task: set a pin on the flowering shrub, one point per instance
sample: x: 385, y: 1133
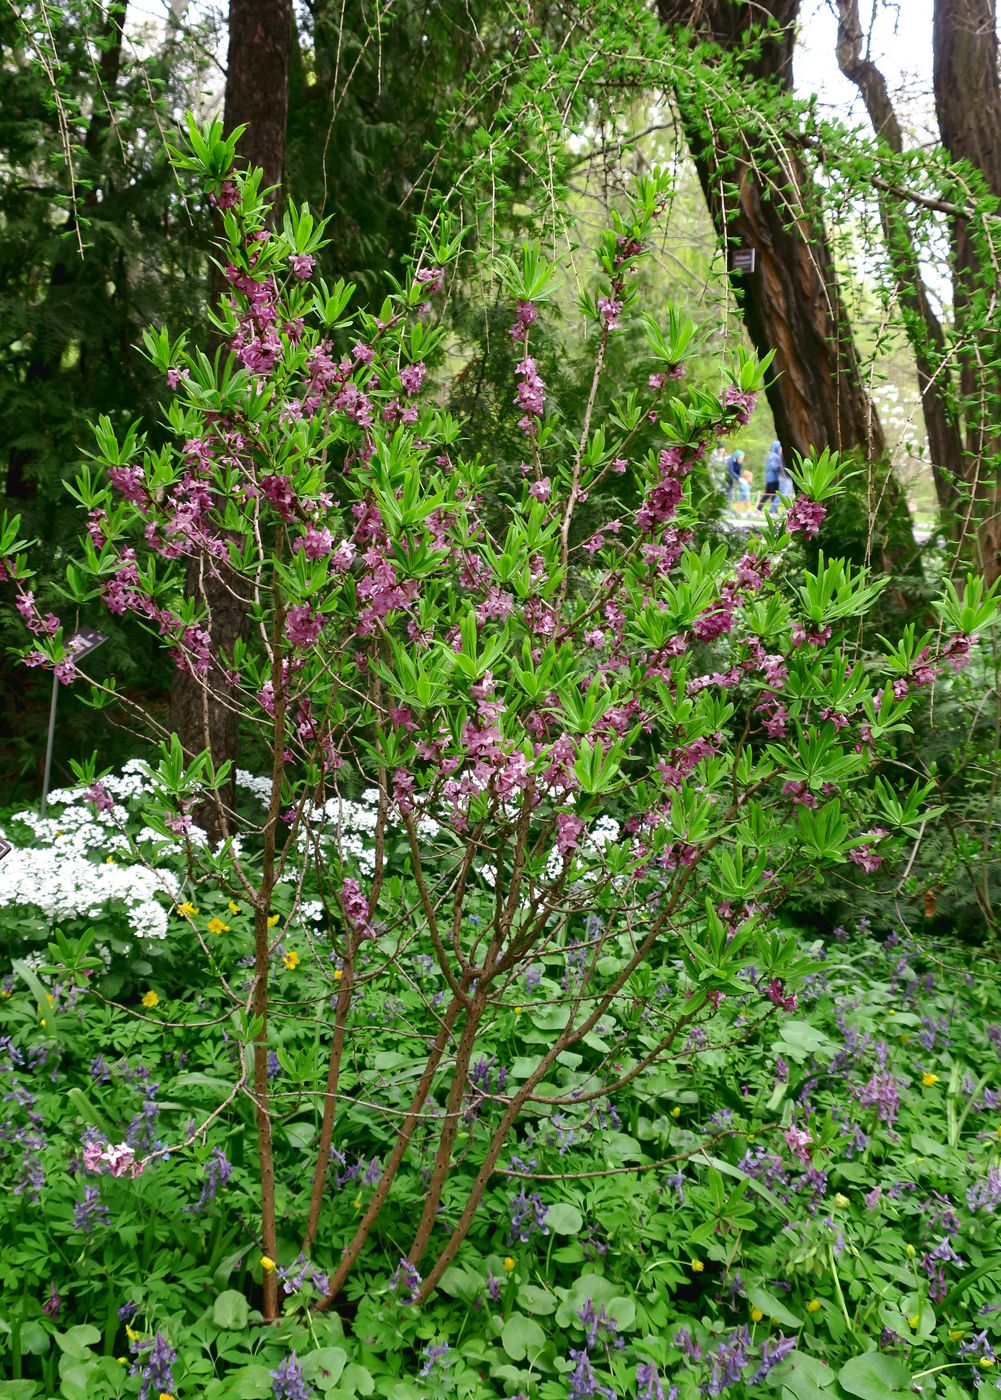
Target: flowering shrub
x: 599, y: 764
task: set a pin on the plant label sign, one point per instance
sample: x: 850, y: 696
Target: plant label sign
x: 85, y: 641
x: 743, y: 259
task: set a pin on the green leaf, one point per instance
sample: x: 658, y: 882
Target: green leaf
x: 540, y: 1301
x: 248, y: 1383
x: 323, y: 1367
x: 521, y: 1337
x: 357, y: 1380
x: 564, y: 1219
x: 802, y: 1377
x: 773, y: 1307
x: 876, y: 1377
x: 230, y: 1311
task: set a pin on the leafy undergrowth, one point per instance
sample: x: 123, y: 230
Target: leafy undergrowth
x: 812, y: 1212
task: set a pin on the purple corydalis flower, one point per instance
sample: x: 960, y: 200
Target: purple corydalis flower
x: 288, y: 1383
x: 218, y: 1170
x: 648, y: 1386
x: 986, y: 1195
x: 410, y: 1278
x: 583, y: 1383
x: 528, y: 1214
x: 90, y: 1211
x: 431, y: 1355
x: 772, y: 1352
x: 156, y: 1368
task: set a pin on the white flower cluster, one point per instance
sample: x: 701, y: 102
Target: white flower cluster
x: 339, y: 821
x: 67, y: 872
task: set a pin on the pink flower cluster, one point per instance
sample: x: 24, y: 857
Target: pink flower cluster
x: 120, y: 1160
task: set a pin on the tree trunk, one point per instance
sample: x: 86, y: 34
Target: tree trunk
x: 203, y: 709
x: 791, y: 303
x: 968, y: 107
x: 945, y: 439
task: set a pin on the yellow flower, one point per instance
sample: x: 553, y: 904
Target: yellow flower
x: 150, y: 1000
x: 929, y: 1079
x: 109, y: 860
x: 891, y: 1012
x: 291, y: 960
x: 268, y: 1265
x: 813, y: 1305
x: 187, y: 910
x: 842, y: 1202
x: 50, y: 999
x: 957, y: 1335
x: 519, y: 1009
x: 234, y: 908
x: 338, y: 974
x: 217, y: 926
x: 676, y: 1111
x: 756, y: 1314
x: 42, y: 1023
x: 697, y: 1265
x: 165, y: 1396
x: 273, y: 919
x: 986, y: 1361
x: 122, y: 1360
x: 7, y: 991
x: 508, y: 1263
x: 131, y: 1333
x: 914, y: 1320
x: 357, y: 1203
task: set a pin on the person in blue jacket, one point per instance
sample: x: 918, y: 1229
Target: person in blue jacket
x: 734, y: 471
x: 773, y: 470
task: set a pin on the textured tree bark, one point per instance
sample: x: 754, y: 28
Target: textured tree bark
x: 203, y: 709
x: 792, y: 303
x: 945, y: 439
x: 968, y: 107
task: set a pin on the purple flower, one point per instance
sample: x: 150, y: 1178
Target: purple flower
x: 805, y: 516
x: 218, y: 1170
x: 611, y: 309
x: 528, y: 1214
x: 648, y: 1386
x: 155, y: 1367
x: 531, y: 396
x: 302, y: 264
x: 881, y: 1093
x: 772, y: 1352
x: 413, y: 377
x: 986, y: 1194
x: 287, y: 1382
x: 53, y: 1303
x: 583, y: 1382
x: 431, y: 1355
x: 302, y: 625
x: 728, y: 1362
x: 90, y: 1211
x: 410, y: 1278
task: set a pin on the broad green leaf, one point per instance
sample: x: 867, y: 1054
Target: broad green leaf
x: 522, y: 1337
x: 230, y: 1311
x: 564, y: 1219
x: 876, y: 1377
